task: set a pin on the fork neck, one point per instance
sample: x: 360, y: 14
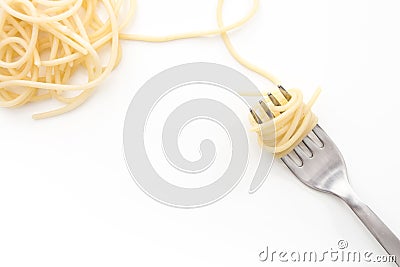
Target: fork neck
x: 342, y: 189
x: 345, y: 192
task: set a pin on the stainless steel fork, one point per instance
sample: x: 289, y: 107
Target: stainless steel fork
x: 318, y: 163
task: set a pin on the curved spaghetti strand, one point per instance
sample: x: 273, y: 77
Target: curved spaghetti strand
x: 293, y: 119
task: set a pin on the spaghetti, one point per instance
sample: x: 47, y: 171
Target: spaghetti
x: 45, y: 43
x: 291, y: 121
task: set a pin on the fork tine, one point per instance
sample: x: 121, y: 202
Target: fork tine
x: 321, y: 134
x: 305, y: 150
x: 255, y: 116
x: 273, y: 99
x: 284, y: 93
x: 311, y: 144
x: 290, y: 163
x: 296, y: 158
x: 266, y: 109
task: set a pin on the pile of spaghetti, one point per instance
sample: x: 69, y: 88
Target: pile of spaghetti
x: 44, y: 43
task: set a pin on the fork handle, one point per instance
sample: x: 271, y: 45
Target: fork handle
x: 389, y: 241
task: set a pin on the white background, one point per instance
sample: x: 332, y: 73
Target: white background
x: 66, y: 196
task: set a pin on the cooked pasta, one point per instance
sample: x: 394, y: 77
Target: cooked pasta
x: 45, y: 43
x: 291, y: 121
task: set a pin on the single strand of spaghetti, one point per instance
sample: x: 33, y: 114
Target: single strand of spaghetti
x: 36, y: 57
x: 61, y: 3
x: 53, y: 53
x: 173, y: 37
x: 67, y: 51
x: 119, y: 56
x: 130, y: 14
x: 3, y: 16
x: 61, y: 60
x: 66, y: 75
x: 9, y: 56
x: 42, y: 97
x: 89, y: 9
x: 48, y: 12
x: 234, y: 53
x: 57, y: 75
x: 314, y: 97
x: 81, y: 28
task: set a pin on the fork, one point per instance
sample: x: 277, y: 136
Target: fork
x: 318, y: 163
